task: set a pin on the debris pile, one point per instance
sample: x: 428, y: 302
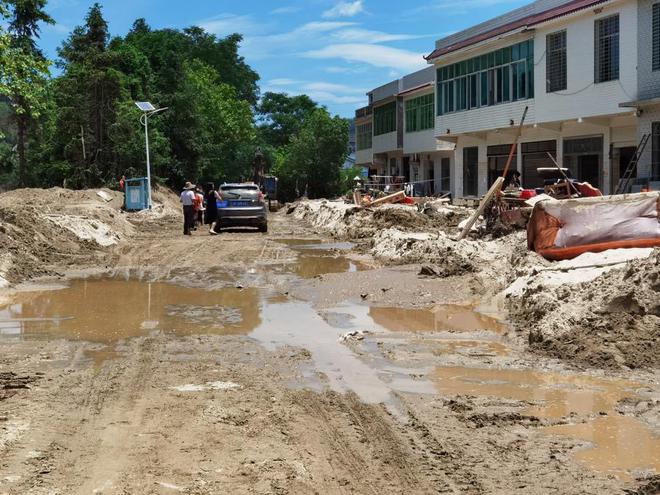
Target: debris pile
x: 352, y: 222
x: 611, y: 321
x: 40, y: 228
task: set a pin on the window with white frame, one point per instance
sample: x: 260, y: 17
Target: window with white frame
x: 555, y: 45
x: 606, y: 56
x: 656, y: 36
x: 500, y: 76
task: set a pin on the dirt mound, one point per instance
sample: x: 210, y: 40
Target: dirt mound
x: 348, y: 221
x: 450, y: 257
x: 609, y: 322
x: 41, y: 228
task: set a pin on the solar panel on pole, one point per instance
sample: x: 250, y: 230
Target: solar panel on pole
x: 145, y: 106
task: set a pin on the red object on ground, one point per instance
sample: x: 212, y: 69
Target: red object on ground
x: 408, y: 200
x: 527, y: 193
x: 568, y: 253
x: 564, y: 229
x: 587, y: 190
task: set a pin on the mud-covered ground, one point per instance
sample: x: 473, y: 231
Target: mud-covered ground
x: 301, y: 368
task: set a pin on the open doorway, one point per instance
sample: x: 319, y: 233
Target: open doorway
x: 588, y: 169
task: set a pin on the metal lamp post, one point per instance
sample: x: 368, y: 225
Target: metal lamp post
x: 147, y: 111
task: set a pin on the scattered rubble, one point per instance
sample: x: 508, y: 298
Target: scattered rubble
x: 611, y: 321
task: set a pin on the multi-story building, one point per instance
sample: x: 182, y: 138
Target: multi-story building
x: 395, y: 133
x: 647, y: 105
x: 571, y: 63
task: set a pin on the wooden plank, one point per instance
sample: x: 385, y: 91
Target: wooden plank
x: 494, y: 189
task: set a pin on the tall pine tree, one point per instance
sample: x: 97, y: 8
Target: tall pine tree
x: 30, y: 78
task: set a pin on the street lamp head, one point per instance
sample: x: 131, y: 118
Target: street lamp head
x: 145, y: 106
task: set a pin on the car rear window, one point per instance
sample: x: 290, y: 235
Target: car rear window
x: 239, y: 188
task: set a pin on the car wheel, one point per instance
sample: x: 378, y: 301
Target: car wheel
x: 263, y: 228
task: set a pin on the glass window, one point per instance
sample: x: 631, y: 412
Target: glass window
x: 364, y: 139
x: 506, y: 84
x: 474, y: 91
x: 419, y: 113
x: 484, y: 89
x: 500, y: 76
x: 555, y: 62
x: 656, y: 36
x: 385, y: 119
x: 606, y: 57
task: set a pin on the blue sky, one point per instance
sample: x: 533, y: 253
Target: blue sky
x: 332, y: 50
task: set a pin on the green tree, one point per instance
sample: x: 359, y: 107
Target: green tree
x: 281, y: 117
x: 207, y: 122
x: 312, y: 161
x: 25, y: 71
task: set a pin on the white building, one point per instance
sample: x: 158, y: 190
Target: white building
x: 396, y: 133
x: 572, y: 63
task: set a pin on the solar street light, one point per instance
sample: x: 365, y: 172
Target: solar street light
x: 147, y: 111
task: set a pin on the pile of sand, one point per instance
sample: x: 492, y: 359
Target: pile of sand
x: 610, y: 321
x: 40, y: 228
x: 347, y: 221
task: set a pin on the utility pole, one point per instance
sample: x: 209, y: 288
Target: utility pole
x: 147, y: 111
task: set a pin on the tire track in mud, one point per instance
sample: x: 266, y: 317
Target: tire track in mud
x: 363, y: 443
x: 87, y: 430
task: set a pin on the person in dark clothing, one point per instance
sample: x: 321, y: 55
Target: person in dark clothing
x: 187, y: 200
x: 211, y: 197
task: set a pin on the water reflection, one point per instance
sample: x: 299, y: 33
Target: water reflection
x: 620, y: 443
x: 106, y: 311
x: 446, y: 317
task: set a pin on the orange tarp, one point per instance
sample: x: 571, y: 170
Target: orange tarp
x: 564, y: 229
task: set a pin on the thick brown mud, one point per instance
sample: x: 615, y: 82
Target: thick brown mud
x: 245, y: 363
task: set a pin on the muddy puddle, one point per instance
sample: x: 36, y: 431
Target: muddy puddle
x: 579, y: 407
x: 107, y: 311
x: 314, y: 258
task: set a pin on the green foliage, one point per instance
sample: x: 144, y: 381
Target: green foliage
x: 83, y: 129
x: 312, y: 162
x: 281, y: 117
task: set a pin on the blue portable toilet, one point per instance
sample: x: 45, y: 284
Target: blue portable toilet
x: 136, y: 194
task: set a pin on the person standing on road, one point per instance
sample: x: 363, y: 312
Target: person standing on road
x: 188, y: 200
x: 199, y: 208
x: 212, y: 197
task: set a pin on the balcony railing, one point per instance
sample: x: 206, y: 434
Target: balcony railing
x: 364, y: 112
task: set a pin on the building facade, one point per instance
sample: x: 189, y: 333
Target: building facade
x: 587, y: 71
x: 396, y: 134
x: 571, y: 63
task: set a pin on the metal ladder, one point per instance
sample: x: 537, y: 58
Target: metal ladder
x: 624, y: 182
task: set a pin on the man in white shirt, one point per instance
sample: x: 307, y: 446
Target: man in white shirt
x: 187, y: 200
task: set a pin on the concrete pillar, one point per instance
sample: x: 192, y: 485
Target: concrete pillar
x: 483, y: 168
x: 607, y: 161
x: 457, y: 171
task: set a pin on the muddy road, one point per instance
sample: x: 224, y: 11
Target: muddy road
x: 290, y: 363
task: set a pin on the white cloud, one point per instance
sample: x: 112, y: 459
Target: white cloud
x: 454, y: 7
x: 376, y: 55
x: 332, y: 87
x: 345, y: 9
x: 291, y: 9
x: 57, y: 28
x: 321, y: 91
x: 224, y: 24
x: 283, y: 81
x: 358, y: 35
